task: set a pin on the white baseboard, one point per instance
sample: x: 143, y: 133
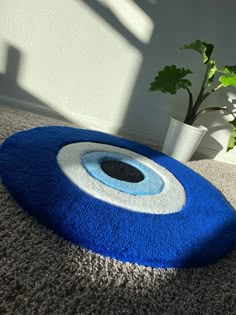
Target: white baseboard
x: 81, y: 120
x: 29, y: 107
x: 105, y: 126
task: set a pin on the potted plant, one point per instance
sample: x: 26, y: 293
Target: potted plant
x: 182, y: 138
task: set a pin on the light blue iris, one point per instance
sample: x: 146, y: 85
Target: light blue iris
x: 152, y: 183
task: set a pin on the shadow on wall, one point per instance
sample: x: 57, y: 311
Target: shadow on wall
x: 10, y: 90
x: 140, y: 116
x: 12, y: 94
x: 144, y: 113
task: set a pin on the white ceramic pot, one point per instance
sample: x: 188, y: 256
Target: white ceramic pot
x: 182, y: 140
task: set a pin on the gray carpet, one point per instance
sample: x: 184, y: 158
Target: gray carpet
x: 40, y: 273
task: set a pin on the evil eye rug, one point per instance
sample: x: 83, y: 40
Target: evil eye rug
x: 117, y: 198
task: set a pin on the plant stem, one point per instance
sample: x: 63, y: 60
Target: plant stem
x: 204, y: 96
x: 199, y: 98
x: 217, y: 88
x: 190, y: 106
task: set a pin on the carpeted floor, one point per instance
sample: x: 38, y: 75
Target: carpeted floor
x: 40, y: 273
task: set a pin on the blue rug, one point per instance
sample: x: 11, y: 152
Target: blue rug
x: 117, y: 197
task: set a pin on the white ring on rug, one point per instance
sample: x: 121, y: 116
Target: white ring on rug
x: 170, y: 200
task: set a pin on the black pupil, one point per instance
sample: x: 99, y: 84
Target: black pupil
x: 122, y: 171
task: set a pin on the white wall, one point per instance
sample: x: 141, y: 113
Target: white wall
x: 92, y: 61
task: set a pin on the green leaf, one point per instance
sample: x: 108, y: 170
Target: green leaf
x: 232, y: 141
x: 232, y: 138
x: 229, y: 70
x: 212, y: 70
x: 170, y: 79
x: 228, y: 80
x: 229, y: 76
x: 203, y: 48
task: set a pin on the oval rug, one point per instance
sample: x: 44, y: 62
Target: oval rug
x: 117, y: 198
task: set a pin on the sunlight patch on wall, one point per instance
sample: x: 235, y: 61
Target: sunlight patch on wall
x: 232, y: 98
x: 132, y: 17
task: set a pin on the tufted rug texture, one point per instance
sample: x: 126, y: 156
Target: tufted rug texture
x: 41, y: 273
